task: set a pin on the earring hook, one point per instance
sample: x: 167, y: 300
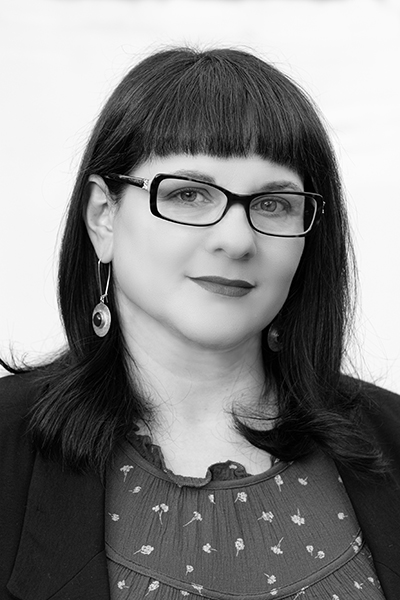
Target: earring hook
x: 103, y: 296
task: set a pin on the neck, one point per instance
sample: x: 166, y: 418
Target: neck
x: 193, y: 382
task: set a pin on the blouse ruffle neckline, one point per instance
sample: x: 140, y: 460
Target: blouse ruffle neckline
x: 228, y: 470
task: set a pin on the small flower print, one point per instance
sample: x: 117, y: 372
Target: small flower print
x: 207, y: 548
x: 270, y: 578
x: 356, y: 544
x: 335, y: 597
x: 358, y: 586
x: 371, y: 580
x: 211, y: 498
x: 197, y: 587
x: 122, y: 585
x: 277, y: 549
x: 196, y: 517
x: 320, y: 554
x: 242, y: 497
x: 153, y: 586
x: 232, y: 466
x: 184, y: 593
x: 274, y: 592
x: 145, y: 550
x: 342, y: 516
x: 279, y: 481
x: 239, y: 545
x: 297, y: 518
x: 303, y: 480
x: 189, y: 569
x: 266, y: 516
x: 114, y: 516
x: 135, y: 490
x: 160, y: 509
x: 302, y: 592
x: 125, y: 469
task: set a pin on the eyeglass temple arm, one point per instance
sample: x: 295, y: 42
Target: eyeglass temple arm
x: 136, y: 181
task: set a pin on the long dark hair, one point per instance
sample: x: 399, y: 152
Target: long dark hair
x: 220, y: 102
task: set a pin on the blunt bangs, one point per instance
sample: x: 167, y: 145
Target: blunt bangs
x: 220, y: 102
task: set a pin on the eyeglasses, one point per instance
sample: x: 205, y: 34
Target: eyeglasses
x: 192, y: 202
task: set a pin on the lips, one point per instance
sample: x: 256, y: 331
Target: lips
x: 223, y: 286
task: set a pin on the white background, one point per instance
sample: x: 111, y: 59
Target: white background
x: 61, y: 58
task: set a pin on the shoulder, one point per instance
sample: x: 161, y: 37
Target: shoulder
x: 379, y: 412
x: 17, y: 395
x: 370, y: 396
x: 381, y: 409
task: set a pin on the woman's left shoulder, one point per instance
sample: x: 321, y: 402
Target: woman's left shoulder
x: 379, y: 412
x: 381, y: 408
x: 371, y: 396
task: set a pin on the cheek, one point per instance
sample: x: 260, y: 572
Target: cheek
x: 280, y: 264
x: 148, y: 254
x: 283, y: 258
x: 294, y: 256
x: 135, y: 261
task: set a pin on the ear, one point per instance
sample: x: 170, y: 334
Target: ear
x: 99, y: 218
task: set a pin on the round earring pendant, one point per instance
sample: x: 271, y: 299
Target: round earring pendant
x: 273, y: 340
x: 101, y: 319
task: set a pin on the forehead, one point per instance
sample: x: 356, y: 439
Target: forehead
x: 241, y: 174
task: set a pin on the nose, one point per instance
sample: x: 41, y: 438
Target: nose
x: 233, y: 235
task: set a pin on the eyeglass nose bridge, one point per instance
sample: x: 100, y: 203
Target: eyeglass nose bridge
x: 242, y: 199
x: 231, y: 197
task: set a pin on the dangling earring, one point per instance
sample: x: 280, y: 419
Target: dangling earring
x: 274, y: 343
x: 101, y: 316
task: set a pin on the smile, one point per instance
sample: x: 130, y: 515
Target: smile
x: 225, y: 287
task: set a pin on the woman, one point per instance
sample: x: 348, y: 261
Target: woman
x: 197, y: 438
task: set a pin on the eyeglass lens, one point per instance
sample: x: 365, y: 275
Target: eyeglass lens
x: 196, y: 203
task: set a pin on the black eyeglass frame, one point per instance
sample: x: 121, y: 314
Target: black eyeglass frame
x: 232, y: 198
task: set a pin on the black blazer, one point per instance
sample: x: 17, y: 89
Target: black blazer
x: 52, y: 520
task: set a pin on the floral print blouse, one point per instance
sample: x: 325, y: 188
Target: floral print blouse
x: 287, y: 533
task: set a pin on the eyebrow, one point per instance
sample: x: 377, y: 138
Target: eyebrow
x: 269, y: 186
x: 195, y: 175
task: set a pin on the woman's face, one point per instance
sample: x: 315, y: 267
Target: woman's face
x: 161, y: 269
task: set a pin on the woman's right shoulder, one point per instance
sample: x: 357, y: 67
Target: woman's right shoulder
x: 17, y: 453
x: 17, y: 395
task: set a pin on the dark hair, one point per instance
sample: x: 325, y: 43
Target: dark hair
x: 220, y: 102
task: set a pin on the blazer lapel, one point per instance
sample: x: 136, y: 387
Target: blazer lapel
x: 61, y: 553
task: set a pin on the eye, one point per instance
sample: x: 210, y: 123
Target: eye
x: 270, y: 205
x: 189, y: 195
